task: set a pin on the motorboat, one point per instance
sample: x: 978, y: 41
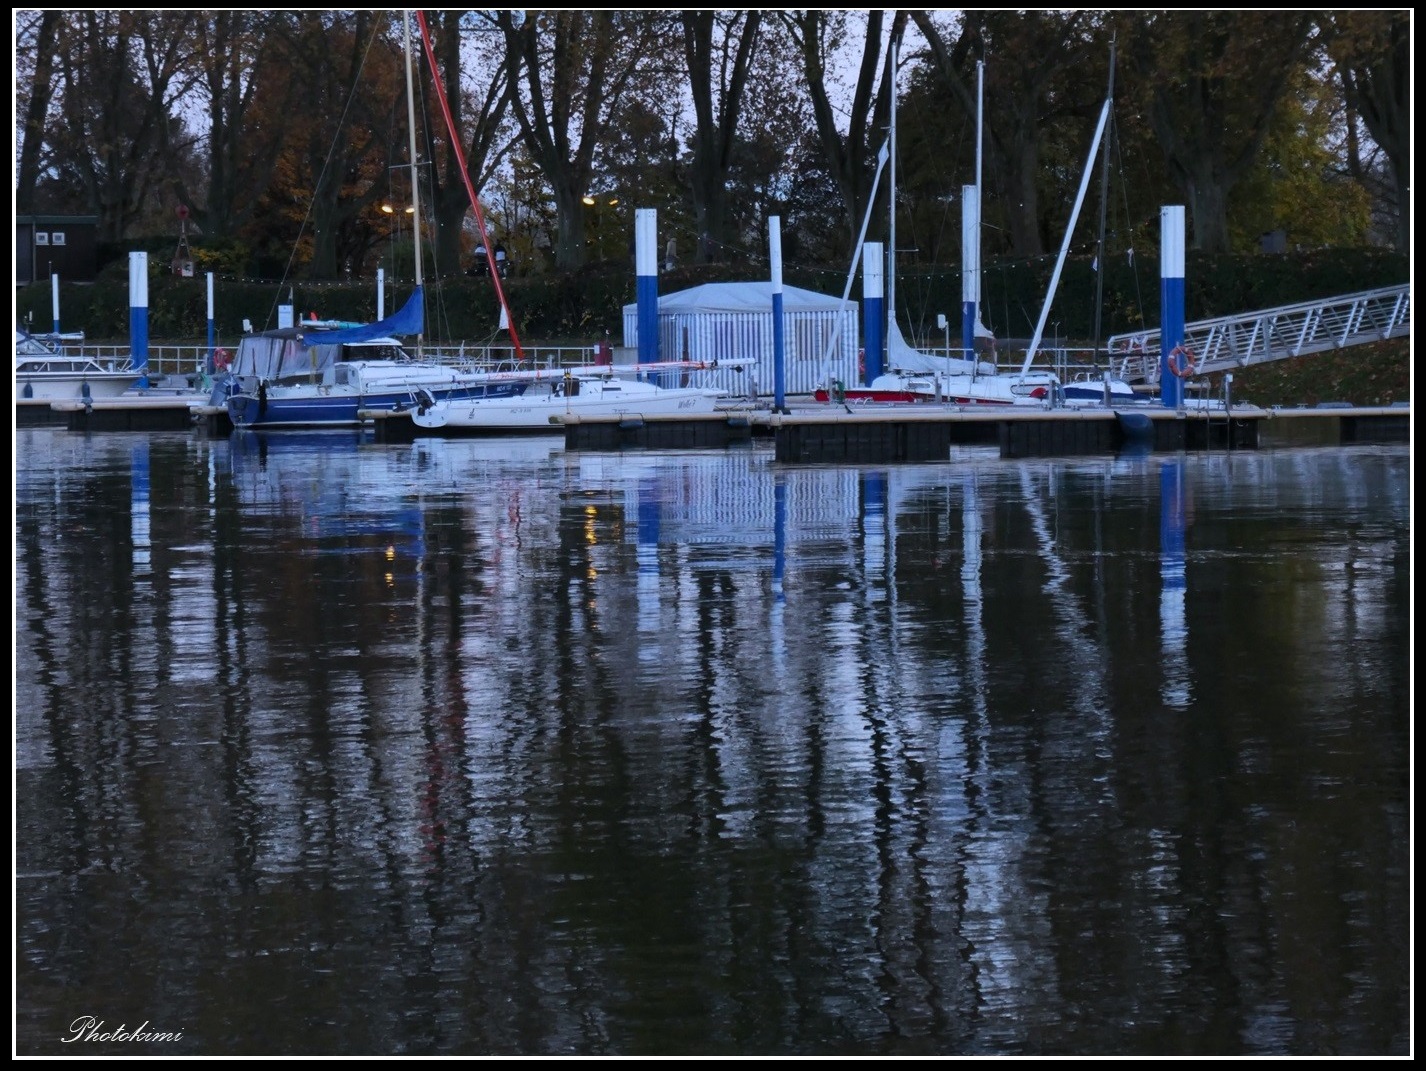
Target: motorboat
x: 49, y: 368
x: 324, y: 375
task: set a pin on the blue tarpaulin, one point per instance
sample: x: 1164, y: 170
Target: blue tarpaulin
x: 409, y: 320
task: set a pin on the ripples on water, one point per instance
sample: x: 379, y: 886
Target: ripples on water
x: 329, y: 747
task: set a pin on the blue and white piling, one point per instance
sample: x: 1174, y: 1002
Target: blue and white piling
x: 54, y: 301
x: 970, y: 271
x: 646, y: 271
x: 873, y: 311
x: 1171, y: 301
x: 139, y: 316
x: 779, y: 372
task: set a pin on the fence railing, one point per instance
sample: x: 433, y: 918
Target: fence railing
x: 183, y: 360
x: 1071, y: 364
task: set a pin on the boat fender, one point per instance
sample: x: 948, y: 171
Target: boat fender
x: 1183, y: 371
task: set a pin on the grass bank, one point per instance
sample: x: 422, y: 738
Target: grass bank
x: 1376, y: 374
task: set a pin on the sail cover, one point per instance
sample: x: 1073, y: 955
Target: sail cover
x: 408, y: 320
x: 904, y: 358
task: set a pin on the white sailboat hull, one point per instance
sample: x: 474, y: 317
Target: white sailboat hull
x: 546, y: 405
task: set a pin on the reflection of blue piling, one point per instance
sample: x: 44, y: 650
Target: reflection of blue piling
x: 874, y: 495
x: 649, y: 515
x: 1172, y: 517
x: 779, y: 537
x: 1173, y: 595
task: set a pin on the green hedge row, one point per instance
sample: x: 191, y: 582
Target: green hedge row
x: 579, y: 307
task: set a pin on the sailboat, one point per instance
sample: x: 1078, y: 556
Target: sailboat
x: 325, y: 373
x: 915, y: 376
x: 543, y: 400
x: 1107, y: 390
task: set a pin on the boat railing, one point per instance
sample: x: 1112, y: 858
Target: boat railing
x: 501, y: 357
x: 181, y: 360
x: 1070, y: 363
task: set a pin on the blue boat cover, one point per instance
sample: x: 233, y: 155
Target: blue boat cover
x: 408, y: 320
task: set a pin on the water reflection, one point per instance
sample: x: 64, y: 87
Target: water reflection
x: 1173, y: 522
x: 324, y: 746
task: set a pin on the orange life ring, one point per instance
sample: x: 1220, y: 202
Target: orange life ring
x: 1189, y: 361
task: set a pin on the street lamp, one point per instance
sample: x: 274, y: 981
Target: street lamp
x: 396, y: 232
x: 598, y: 202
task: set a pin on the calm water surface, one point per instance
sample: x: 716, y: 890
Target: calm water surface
x: 482, y: 747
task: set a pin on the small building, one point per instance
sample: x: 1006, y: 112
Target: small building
x: 66, y: 246
x: 731, y: 323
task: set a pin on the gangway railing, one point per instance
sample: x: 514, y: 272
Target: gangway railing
x: 1231, y: 342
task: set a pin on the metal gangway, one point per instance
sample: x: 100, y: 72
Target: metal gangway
x: 1248, y: 338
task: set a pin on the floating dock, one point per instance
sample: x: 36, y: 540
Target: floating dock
x: 926, y: 432
x: 155, y: 412
x: 817, y: 432
x: 822, y: 433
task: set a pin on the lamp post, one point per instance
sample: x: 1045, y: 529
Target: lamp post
x: 396, y: 232
x: 599, y: 201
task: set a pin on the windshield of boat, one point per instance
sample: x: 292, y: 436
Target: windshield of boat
x: 280, y: 357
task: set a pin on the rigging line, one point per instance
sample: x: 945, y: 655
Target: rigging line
x: 1130, y: 230
x: 459, y: 150
x: 1101, y: 266
x: 326, y: 166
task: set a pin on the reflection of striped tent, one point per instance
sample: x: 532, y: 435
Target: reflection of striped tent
x: 731, y: 323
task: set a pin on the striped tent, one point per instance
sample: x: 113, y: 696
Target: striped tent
x: 731, y: 323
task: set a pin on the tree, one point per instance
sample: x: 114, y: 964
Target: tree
x: 817, y: 35
x: 1299, y: 182
x: 569, y: 72
x: 484, y: 147
x: 717, y: 108
x: 1371, y: 51
x: 248, y: 93
x: 122, y: 76
x: 348, y: 82
x: 43, y: 44
x: 1213, y: 80
x: 1030, y: 92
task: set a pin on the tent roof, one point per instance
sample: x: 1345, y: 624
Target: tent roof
x: 744, y: 297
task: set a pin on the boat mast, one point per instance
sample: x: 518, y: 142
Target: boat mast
x: 1103, y: 211
x: 1064, y: 246
x: 415, y: 185
x: 507, y: 320
x: 891, y: 183
x: 971, y: 330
